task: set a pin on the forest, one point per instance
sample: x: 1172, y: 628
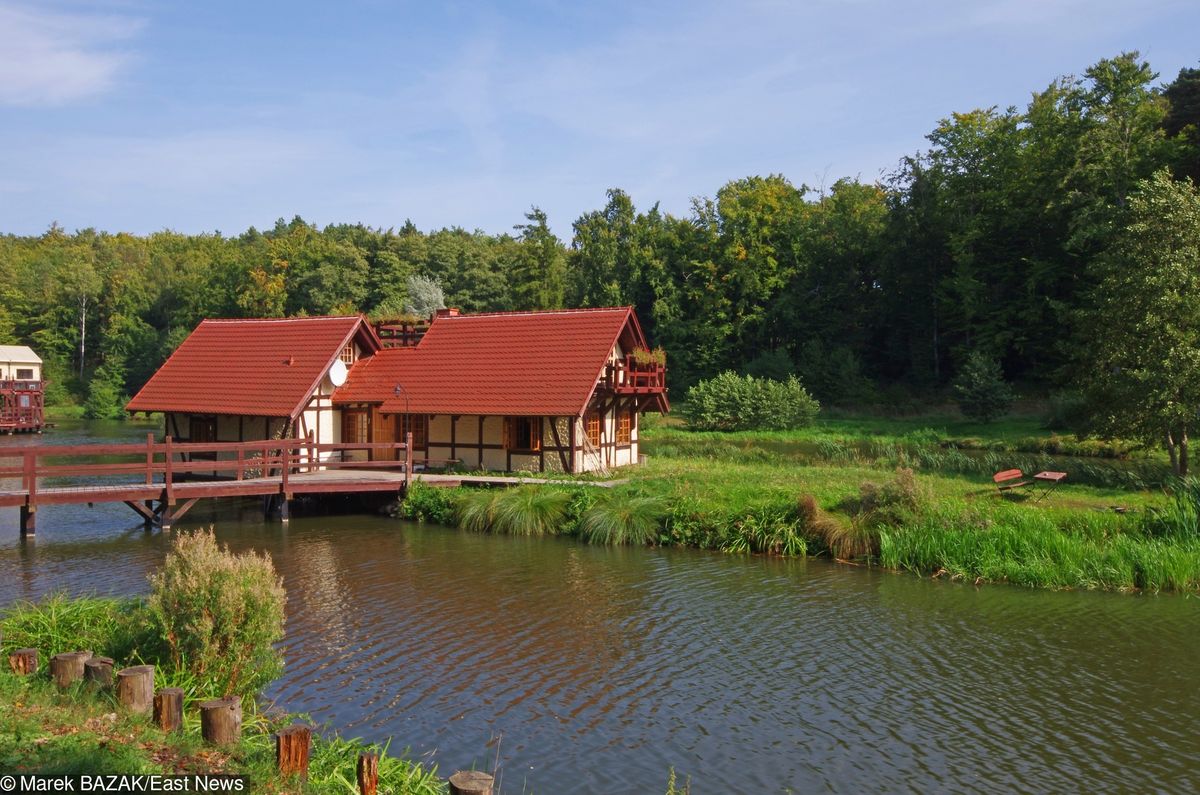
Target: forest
x: 1033, y: 236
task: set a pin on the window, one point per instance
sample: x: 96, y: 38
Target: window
x: 203, y: 429
x: 624, y: 423
x: 347, y: 356
x: 417, y: 423
x: 24, y: 373
x: 523, y: 433
x: 592, y: 424
x: 356, y: 426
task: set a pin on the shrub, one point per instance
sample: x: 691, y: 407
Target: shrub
x: 428, y: 504
x: 980, y: 389
x: 732, y: 402
x: 887, y: 503
x: 623, y: 519
x: 1067, y: 411
x: 219, y: 614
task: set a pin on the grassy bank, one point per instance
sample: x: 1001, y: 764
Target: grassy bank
x: 80, y: 730
x: 833, y: 490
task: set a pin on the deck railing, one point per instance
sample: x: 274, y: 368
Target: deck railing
x: 170, y: 461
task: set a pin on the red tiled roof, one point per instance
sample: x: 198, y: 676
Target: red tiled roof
x: 515, y: 363
x: 266, y: 367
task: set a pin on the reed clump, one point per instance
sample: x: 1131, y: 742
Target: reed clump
x: 620, y: 519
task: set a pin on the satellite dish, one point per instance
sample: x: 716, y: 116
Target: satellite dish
x: 337, y: 373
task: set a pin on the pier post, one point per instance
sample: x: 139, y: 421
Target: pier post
x: 292, y: 749
x: 283, y: 509
x: 368, y: 774
x: 28, y: 520
x: 168, y: 709
x: 221, y: 720
x: 470, y: 782
x: 135, y: 688
x: 98, y: 671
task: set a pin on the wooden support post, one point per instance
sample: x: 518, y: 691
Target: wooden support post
x: 28, y: 520
x: 23, y: 661
x: 135, y: 688
x: 408, y: 460
x: 168, y: 709
x: 471, y: 782
x: 221, y: 720
x: 368, y: 774
x: 148, y: 515
x: 98, y: 672
x: 168, y: 477
x: 292, y: 749
x: 283, y: 508
x: 67, y: 667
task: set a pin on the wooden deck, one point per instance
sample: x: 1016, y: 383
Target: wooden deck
x: 164, y: 479
x: 161, y: 481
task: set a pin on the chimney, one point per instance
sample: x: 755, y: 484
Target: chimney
x: 447, y: 312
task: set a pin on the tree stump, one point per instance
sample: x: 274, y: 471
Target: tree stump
x: 221, y: 720
x: 23, y: 661
x: 135, y: 688
x: 168, y: 709
x: 98, y: 672
x: 67, y: 667
x: 368, y: 774
x: 470, y: 782
x: 291, y: 750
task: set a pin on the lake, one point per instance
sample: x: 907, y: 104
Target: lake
x: 595, y: 670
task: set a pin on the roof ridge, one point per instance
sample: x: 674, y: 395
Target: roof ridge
x: 511, y: 312
x: 278, y: 319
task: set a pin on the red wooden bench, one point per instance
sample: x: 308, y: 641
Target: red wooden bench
x: 1005, y: 480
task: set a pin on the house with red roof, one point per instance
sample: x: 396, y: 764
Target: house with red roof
x: 558, y: 390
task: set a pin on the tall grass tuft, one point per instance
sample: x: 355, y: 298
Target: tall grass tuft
x: 1180, y: 518
x: 530, y: 511
x: 118, y: 628
x: 621, y: 519
x: 476, y: 510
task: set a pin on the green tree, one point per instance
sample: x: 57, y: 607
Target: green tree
x: 980, y: 389
x: 539, y: 272
x: 1142, y: 362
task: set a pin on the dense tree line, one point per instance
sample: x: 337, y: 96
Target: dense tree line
x: 992, y: 242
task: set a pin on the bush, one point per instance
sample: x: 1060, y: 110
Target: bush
x: 888, y: 503
x: 731, y: 402
x: 1067, y: 411
x: 980, y: 389
x: 219, y: 614
x: 427, y: 504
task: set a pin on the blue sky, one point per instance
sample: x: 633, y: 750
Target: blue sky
x: 136, y: 116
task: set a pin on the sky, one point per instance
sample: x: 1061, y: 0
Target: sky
x: 137, y: 116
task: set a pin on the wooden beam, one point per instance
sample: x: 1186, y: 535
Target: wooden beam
x: 147, y: 514
x: 562, y: 455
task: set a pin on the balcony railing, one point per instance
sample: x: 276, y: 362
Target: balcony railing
x: 21, y: 385
x: 629, y: 377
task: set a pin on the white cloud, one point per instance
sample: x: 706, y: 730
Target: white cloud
x: 54, y: 58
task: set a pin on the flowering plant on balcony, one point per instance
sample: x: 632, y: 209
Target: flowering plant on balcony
x: 644, y: 356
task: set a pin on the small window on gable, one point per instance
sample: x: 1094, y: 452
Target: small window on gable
x: 624, y: 423
x: 523, y: 433
x: 348, y: 354
x: 24, y: 373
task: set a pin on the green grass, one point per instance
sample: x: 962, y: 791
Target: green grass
x: 78, y: 730
x: 623, y: 519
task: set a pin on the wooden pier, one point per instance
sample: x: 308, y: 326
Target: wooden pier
x: 161, y: 481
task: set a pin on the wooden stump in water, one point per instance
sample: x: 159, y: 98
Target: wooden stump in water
x: 168, y: 709
x: 221, y: 720
x: 135, y: 688
x: 291, y: 750
x: 368, y: 774
x: 23, y: 661
x: 471, y: 782
x: 98, y: 671
x: 67, y: 667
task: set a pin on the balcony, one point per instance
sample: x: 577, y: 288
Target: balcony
x: 21, y: 386
x: 630, y: 377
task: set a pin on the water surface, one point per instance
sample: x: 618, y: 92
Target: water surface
x: 599, y: 669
